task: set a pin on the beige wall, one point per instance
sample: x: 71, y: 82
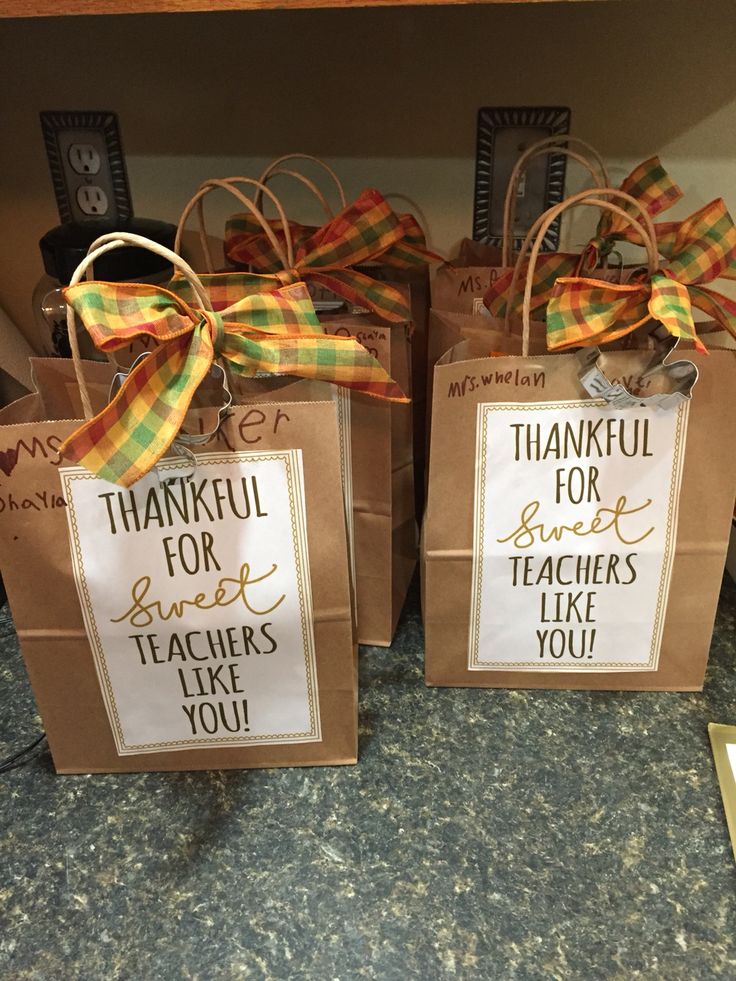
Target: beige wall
x: 389, y: 97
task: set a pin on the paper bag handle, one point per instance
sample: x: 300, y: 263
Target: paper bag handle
x: 303, y: 179
x: 565, y: 139
x: 271, y: 171
x: 645, y: 229
x: 106, y: 243
x: 546, y: 147
x: 593, y: 197
x: 228, y: 184
x: 681, y: 375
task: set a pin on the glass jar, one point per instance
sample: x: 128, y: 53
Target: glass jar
x: 64, y: 247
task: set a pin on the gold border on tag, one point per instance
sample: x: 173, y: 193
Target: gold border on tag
x: 294, y: 475
x: 474, y: 662
x: 721, y: 737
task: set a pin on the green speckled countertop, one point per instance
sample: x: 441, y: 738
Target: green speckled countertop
x: 484, y: 834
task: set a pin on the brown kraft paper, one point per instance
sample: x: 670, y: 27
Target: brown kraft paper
x: 448, y: 328
x: 705, y: 508
x: 457, y: 284
x: 382, y: 482
x: 414, y: 283
x: 37, y: 571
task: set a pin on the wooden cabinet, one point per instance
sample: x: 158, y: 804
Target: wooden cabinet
x: 387, y: 94
x: 50, y: 8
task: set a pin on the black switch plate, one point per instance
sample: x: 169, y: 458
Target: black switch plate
x: 503, y: 135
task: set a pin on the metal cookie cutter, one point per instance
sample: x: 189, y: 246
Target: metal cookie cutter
x: 679, y: 376
x: 182, y: 441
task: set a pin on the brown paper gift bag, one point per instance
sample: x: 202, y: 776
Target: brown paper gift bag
x: 207, y: 667
x: 401, y: 275
x: 376, y: 436
x: 382, y: 483
x: 415, y: 285
x: 516, y: 592
x: 459, y: 285
x: 458, y: 307
x: 390, y: 436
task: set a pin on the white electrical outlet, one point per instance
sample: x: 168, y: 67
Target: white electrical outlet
x: 84, y: 158
x: 87, y: 166
x: 92, y: 200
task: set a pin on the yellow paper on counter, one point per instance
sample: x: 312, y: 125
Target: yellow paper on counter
x: 723, y: 742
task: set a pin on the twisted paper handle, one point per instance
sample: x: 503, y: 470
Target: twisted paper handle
x: 271, y: 171
x: 547, y: 146
x: 228, y: 184
x: 101, y: 245
x: 591, y: 198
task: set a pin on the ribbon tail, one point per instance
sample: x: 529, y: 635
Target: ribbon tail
x: 585, y: 312
x: 362, y: 291
x: 323, y: 357
x: 655, y: 190
x: 549, y: 267
x: 717, y: 306
x: 669, y: 303
x: 650, y: 184
x: 126, y: 440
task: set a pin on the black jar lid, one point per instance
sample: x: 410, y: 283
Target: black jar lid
x: 64, y: 247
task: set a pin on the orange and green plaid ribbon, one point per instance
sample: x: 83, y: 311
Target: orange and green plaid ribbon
x: 669, y: 236
x: 584, y: 311
x: 649, y: 183
x: 408, y: 253
x: 412, y: 250
x: 278, y: 334
x: 365, y: 231
x: 226, y: 290
x: 653, y: 188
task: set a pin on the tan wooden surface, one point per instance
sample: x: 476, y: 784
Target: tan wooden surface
x: 54, y: 8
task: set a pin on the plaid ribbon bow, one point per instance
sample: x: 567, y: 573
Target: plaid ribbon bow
x: 585, y: 311
x: 278, y: 334
x: 412, y: 250
x: 364, y: 231
x: 653, y: 188
x: 226, y: 290
x: 648, y: 182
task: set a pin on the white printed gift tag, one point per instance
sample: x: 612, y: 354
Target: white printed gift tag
x: 196, y: 600
x: 574, y: 531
